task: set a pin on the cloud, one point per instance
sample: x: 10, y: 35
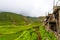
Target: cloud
x: 27, y: 7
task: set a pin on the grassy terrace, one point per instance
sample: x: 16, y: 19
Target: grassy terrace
x: 18, y: 27
x: 26, y: 32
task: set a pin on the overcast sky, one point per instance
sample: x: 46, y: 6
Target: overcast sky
x: 32, y: 8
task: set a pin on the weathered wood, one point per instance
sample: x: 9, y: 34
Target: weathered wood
x: 55, y: 17
x: 59, y: 26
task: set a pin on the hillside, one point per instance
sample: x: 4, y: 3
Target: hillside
x: 13, y: 18
x: 19, y: 27
x: 12, y: 22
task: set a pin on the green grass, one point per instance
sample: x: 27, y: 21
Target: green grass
x: 10, y: 36
x: 24, y: 35
x: 9, y: 29
x: 46, y: 35
x: 18, y: 27
x: 10, y: 32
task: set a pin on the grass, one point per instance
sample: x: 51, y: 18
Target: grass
x: 46, y: 35
x: 25, y: 32
x: 9, y: 29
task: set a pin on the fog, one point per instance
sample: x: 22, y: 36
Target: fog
x: 32, y: 8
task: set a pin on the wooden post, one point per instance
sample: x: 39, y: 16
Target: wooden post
x: 59, y: 26
x: 48, y: 26
x: 59, y: 22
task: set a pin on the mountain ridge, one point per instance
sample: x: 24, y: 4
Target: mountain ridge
x: 16, y: 19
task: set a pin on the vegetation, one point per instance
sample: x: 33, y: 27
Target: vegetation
x: 18, y: 27
x: 13, y: 18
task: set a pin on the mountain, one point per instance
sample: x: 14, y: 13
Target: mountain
x: 13, y: 18
x: 9, y: 18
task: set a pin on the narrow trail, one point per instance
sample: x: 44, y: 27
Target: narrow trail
x: 39, y: 37
x: 38, y: 34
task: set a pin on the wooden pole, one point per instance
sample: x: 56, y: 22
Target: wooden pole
x: 59, y: 26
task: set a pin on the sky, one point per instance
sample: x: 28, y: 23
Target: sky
x: 33, y: 8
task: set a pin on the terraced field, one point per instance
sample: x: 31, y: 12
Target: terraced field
x: 18, y: 27
x: 10, y: 32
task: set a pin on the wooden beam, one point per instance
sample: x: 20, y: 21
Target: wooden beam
x: 59, y: 26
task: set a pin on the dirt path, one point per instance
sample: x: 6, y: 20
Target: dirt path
x: 38, y: 34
